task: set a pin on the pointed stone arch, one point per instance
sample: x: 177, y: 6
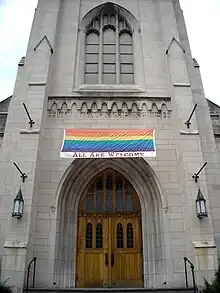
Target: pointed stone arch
x: 153, y: 205
x: 64, y: 108
x: 97, y: 9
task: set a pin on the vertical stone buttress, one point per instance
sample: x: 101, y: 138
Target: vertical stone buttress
x: 22, y: 144
x: 210, y: 152
x: 190, y: 155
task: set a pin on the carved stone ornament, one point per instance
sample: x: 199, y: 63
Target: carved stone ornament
x: 61, y: 108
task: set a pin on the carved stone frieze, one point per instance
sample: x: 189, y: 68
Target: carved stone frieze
x: 61, y: 108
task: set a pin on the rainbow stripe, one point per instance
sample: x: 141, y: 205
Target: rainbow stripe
x: 108, y: 140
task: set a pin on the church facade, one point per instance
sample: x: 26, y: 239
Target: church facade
x: 129, y: 219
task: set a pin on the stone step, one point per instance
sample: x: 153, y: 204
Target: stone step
x: 109, y: 290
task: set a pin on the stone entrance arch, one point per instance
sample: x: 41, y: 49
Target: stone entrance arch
x: 154, y: 220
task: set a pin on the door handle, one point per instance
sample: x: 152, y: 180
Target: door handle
x: 112, y: 259
x: 106, y: 259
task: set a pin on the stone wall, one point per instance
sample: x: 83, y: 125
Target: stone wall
x: 166, y: 87
x: 53, y: 169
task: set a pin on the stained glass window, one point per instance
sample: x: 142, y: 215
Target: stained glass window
x: 130, y: 236
x: 120, y: 236
x: 99, y: 235
x: 119, y: 195
x: 90, y: 202
x: 110, y: 192
x: 99, y: 195
x: 89, y: 235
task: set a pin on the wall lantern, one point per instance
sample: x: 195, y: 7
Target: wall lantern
x: 201, y: 206
x: 18, y: 206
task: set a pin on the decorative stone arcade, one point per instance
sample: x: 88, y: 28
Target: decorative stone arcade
x: 153, y: 217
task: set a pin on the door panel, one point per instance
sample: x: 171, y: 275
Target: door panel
x: 126, y: 252
x: 92, y: 256
x: 109, y: 252
x: 109, y: 247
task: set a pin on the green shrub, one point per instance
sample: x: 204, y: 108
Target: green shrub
x: 4, y: 288
x: 213, y: 287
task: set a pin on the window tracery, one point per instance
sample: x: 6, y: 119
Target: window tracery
x: 110, y: 192
x: 109, y: 49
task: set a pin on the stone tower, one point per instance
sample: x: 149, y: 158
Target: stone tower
x: 108, y: 65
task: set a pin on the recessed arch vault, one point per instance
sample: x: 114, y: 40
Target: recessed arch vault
x: 152, y: 200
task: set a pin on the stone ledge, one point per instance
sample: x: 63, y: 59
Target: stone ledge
x: 107, y: 88
x: 37, y: 83
x: 189, y: 132
x: 27, y: 131
x: 179, y: 84
x: 15, y: 244
x: 204, y: 244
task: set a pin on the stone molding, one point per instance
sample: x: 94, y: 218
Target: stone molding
x: 15, y: 244
x: 103, y: 88
x: 37, y: 83
x: 93, y: 109
x: 47, y: 41
x: 180, y: 84
x: 189, y: 132
x: 21, y: 62
x: 204, y: 244
x: 27, y: 131
x: 178, y: 43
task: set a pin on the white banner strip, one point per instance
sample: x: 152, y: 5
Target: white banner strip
x: 87, y: 155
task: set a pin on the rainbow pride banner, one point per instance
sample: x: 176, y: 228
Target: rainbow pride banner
x: 108, y: 143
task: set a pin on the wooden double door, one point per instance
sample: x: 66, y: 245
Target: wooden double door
x: 109, y: 251
x: 109, y: 240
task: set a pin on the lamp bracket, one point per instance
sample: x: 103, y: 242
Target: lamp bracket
x: 23, y: 175
x: 188, y: 123
x: 31, y: 121
x: 196, y: 175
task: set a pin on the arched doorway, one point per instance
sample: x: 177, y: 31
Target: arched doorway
x: 154, y: 221
x: 109, y: 238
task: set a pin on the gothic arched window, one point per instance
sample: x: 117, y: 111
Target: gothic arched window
x: 109, y: 49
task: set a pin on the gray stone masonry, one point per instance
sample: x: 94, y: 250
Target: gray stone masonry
x: 167, y: 86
